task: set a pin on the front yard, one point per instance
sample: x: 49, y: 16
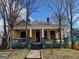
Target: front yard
x: 60, y: 54
x: 45, y: 53
x: 15, y: 54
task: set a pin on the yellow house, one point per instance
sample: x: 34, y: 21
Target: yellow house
x: 38, y: 30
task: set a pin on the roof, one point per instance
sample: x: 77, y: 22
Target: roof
x: 39, y: 25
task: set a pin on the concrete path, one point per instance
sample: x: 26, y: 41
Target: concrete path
x: 34, y: 54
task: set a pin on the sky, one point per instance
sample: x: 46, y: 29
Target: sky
x: 41, y: 14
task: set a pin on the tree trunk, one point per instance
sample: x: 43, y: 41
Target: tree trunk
x: 4, y: 42
x: 60, y: 33
x: 26, y: 31
x: 71, y: 36
x: 4, y: 39
x: 10, y: 39
x: 5, y: 31
x: 27, y: 18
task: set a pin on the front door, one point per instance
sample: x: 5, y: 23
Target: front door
x: 23, y: 34
x: 52, y: 34
x: 37, y: 35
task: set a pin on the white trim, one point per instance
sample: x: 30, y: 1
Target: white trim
x: 42, y: 33
x: 30, y: 33
x: 37, y: 27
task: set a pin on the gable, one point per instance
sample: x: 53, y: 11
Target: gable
x: 21, y: 23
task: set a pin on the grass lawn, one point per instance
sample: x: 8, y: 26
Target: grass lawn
x: 5, y: 52
x: 60, y: 54
x: 14, y: 54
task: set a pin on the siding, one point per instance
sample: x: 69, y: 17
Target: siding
x: 16, y: 34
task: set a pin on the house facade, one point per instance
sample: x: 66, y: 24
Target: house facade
x: 38, y: 30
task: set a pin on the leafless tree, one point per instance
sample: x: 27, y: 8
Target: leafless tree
x: 72, y: 11
x: 58, y: 11
x: 2, y: 13
x: 11, y: 10
x: 31, y: 7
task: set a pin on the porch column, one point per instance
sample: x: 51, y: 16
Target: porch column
x: 30, y: 33
x: 42, y: 33
x: 57, y: 34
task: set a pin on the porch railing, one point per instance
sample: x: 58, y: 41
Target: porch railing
x: 21, y: 43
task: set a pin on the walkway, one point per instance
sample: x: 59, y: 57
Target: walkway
x: 34, y: 54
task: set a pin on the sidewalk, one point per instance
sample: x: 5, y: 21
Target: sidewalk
x: 34, y: 54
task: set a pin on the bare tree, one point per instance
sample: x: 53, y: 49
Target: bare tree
x: 2, y: 13
x: 31, y: 7
x: 72, y: 11
x: 11, y: 10
x: 58, y: 11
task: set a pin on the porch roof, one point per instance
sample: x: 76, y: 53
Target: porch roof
x: 37, y: 25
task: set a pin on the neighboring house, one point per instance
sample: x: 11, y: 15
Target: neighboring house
x: 38, y: 30
x: 75, y: 33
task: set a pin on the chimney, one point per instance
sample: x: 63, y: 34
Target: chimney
x: 48, y: 20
